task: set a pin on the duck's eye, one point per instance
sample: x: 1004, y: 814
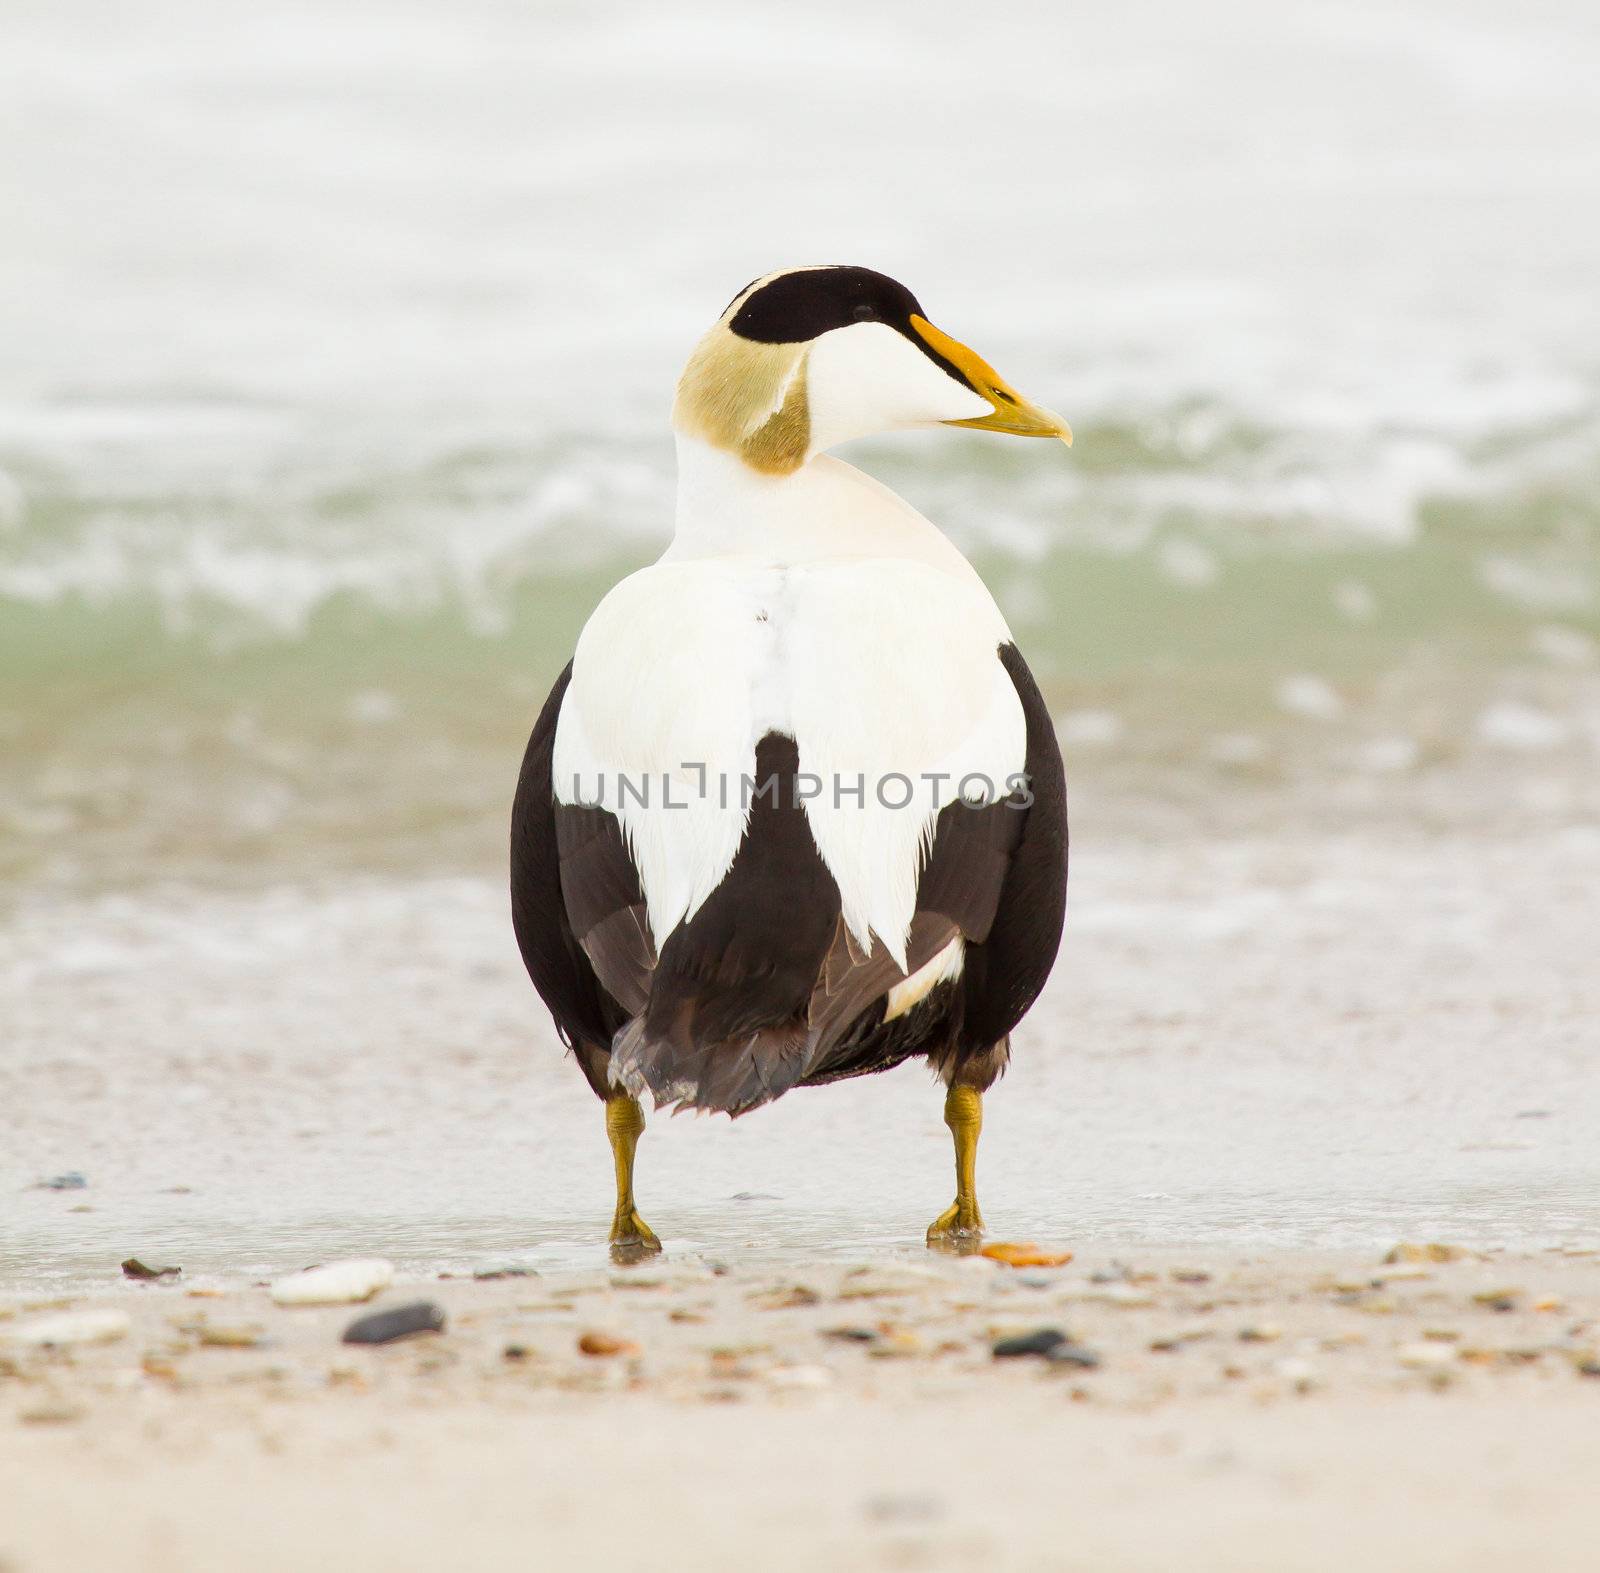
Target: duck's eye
x: 864, y: 313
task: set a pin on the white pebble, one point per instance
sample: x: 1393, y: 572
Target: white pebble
x: 1425, y: 1356
x: 338, y: 1283
x: 800, y: 1378
x: 1299, y: 1374
x: 70, y: 1327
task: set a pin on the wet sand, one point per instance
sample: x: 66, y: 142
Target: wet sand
x: 1281, y: 1039
x: 1279, y: 1411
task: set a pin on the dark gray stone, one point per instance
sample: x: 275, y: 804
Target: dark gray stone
x: 384, y: 1327
x: 1039, y: 1342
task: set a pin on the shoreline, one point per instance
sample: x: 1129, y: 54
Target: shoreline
x: 1276, y: 1410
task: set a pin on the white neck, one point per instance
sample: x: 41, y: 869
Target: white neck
x: 824, y: 509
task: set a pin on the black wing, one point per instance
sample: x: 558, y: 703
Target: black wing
x: 586, y: 1013
x: 1005, y: 973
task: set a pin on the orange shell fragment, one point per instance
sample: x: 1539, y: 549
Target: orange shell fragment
x: 1017, y: 1254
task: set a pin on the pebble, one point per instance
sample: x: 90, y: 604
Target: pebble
x: 230, y: 1335
x: 51, y: 1412
x: 1040, y: 1342
x: 404, y: 1321
x: 71, y: 1181
x: 1075, y: 1355
x: 1497, y: 1299
x: 70, y: 1327
x: 1434, y: 1251
x: 337, y: 1283
x: 134, y: 1268
x: 1260, y: 1333
x: 799, y: 1378
x: 1301, y: 1375
x: 604, y: 1345
x: 1422, y: 1356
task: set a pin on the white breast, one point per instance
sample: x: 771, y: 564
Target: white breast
x: 883, y: 668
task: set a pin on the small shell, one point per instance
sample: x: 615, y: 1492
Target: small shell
x: 1025, y: 1254
x: 338, y: 1283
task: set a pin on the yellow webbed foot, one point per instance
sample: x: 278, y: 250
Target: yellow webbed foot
x: 959, y: 1228
x: 632, y: 1239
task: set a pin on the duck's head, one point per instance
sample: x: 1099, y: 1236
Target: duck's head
x: 807, y: 358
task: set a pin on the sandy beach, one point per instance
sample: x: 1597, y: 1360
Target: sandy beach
x: 1220, y: 1410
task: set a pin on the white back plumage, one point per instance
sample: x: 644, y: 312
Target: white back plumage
x: 819, y: 605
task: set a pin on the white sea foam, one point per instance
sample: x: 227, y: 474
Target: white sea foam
x: 1522, y: 727
x: 1305, y: 694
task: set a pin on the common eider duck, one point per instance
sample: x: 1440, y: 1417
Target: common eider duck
x: 795, y: 810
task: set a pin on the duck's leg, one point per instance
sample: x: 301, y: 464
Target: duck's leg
x: 631, y: 1237
x: 960, y: 1226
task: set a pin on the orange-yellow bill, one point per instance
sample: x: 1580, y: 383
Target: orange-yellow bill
x: 1012, y: 412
